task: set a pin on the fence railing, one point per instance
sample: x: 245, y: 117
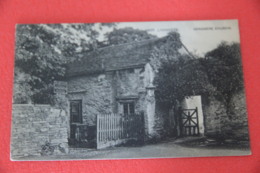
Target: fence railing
x: 115, y: 129
x: 82, y: 135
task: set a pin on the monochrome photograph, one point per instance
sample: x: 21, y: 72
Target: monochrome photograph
x: 128, y: 90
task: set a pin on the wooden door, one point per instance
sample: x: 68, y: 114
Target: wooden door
x: 75, y: 121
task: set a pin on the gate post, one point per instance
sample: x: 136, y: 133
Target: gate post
x: 97, y: 131
x: 180, y: 125
x: 142, y: 128
x: 197, y: 117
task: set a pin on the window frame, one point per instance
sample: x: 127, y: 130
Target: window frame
x: 128, y: 107
x: 79, y: 117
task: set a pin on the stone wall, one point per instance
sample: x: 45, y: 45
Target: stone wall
x: 138, y: 83
x: 95, y: 91
x: 128, y: 82
x: 130, y: 86
x: 219, y: 124
x: 105, y: 93
x: 163, y: 125
x: 239, y: 117
x: 214, y: 114
x: 36, y: 126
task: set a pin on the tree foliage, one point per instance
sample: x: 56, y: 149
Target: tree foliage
x: 178, y: 74
x: 42, y: 52
x: 36, y: 63
x: 179, y: 78
x: 224, y: 70
x: 219, y: 74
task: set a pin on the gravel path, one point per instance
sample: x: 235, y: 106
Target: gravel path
x: 170, y: 149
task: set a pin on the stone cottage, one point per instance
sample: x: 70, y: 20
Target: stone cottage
x: 116, y: 79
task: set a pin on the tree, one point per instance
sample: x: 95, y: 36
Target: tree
x: 219, y: 74
x: 126, y: 35
x: 178, y: 75
x: 167, y: 50
x: 36, y: 64
x: 179, y: 78
x: 224, y: 70
x: 42, y: 52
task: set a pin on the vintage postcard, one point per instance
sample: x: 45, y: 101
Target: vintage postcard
x: 128, y: 90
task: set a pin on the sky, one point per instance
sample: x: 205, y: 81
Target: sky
x: 198, y: 36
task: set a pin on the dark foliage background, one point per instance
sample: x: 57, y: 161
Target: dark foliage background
x: 43, y: 51
x: 218, y: 74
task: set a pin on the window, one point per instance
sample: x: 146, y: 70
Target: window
x: 75, y: 111
x: 129, y: 108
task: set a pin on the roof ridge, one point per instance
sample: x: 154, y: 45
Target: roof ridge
x: 117, y: 56
x: 129, y: 43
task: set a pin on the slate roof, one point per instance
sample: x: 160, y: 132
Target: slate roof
x: 115, y: 57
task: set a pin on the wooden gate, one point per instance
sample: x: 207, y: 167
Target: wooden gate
x: 115, y: 129
x: 189, y: 122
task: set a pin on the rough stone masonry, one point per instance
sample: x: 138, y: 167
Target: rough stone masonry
x: 38, y: 130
